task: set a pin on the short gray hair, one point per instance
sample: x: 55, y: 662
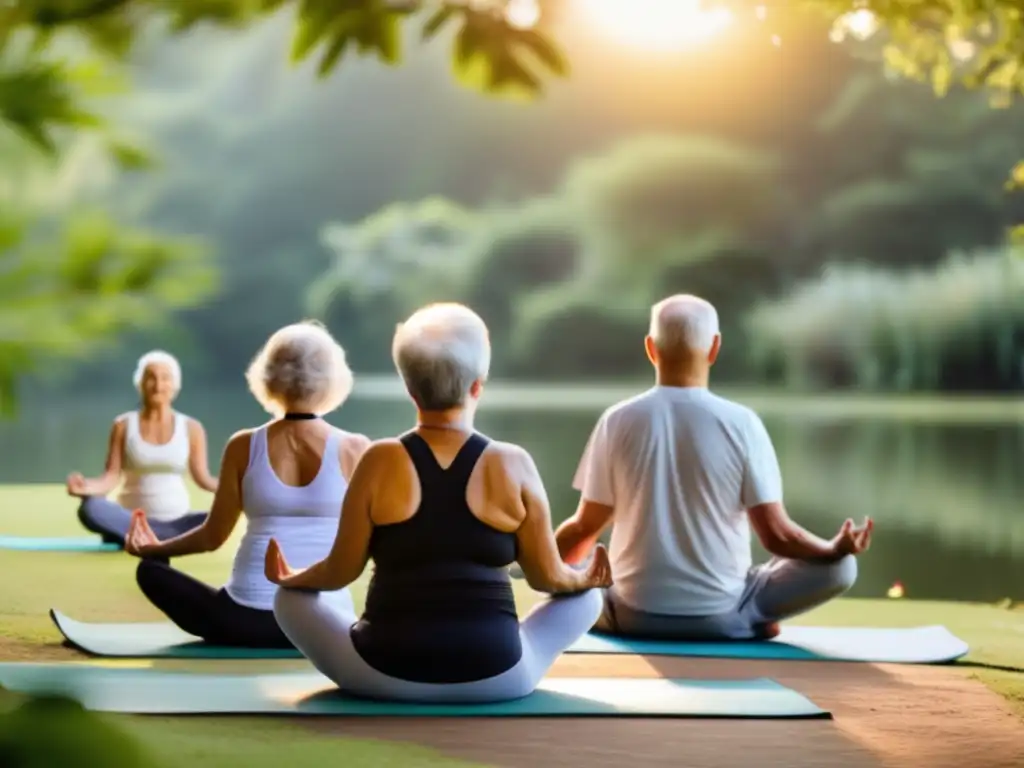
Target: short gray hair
x: 300, y: 365
x: 439, y: 352
x: 683, y: 323
x: 157, y: 357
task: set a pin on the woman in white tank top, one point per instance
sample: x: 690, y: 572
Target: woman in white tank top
x: 150, y: 451
x: 288, y: 478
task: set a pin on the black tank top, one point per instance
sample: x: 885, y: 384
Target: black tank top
x: 440, y: 607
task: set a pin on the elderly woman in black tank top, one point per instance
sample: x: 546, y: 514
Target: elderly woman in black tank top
x: 443, y: 512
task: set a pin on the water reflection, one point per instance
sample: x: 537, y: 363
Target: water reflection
x: 945, y: 494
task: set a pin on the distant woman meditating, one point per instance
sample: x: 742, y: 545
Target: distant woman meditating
x: 150, y: 450
x: 443, y: 512
x: 288, y: 477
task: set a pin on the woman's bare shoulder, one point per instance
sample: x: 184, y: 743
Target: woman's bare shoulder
x: 512, y: 458
x: 354, y: 442
x: 355, y: 447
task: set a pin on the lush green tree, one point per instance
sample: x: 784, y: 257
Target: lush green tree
x: 72, y: 277
x: 66, y: 293
x: 57, y: 55
x: 897, y: 177
x: 385, y: 266
x: 655, y: 214
x: 504, y: 46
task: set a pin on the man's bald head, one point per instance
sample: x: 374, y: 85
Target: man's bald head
x: 683, y: 326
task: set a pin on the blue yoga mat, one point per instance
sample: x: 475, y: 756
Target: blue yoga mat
x: 917, y: 645
x: 921, y: 645
x: 149, y: 691
x: 57, y: 544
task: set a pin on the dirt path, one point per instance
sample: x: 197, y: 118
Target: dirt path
x: 884, y: 715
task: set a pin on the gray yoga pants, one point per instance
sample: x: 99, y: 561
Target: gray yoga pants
x: 775, y: 591
x: 320, y: 628
x: 110, y: 520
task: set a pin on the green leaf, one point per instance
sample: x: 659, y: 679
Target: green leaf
x: 510, y: 77
x: 96, y: 77
x: 315, y: 23
x: 130, y: 157
x: 437, y: 20
x: 470, y: 43
x: 333, y: 54
x: 389, y: 45
x: 544, y: 49
x: 942, y: 78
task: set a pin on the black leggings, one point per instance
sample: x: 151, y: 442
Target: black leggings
x: 206, y: 612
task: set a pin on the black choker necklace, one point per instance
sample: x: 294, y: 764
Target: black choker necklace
x: 300, y: 416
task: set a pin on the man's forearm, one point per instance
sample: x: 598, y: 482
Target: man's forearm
x: 574, y: 543
x: 797, y: 543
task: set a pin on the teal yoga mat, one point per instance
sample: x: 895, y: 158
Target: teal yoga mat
x: 57, y: 544
x: 148, y: 691
x: 921, y: 645
x: 155, y: 640
x: 916, y: 645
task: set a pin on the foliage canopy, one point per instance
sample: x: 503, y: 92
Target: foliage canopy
x: 59, y: 58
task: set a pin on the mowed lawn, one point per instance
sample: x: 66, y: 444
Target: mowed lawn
x: 101, y: 587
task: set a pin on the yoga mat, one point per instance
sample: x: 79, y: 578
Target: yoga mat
x: 918, y: 645
x: 921, y: 645
x: 53, y: 544
x: 148, y: 691
x: 155, y: 640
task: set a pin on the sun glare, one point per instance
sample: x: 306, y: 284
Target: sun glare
x: 662, y: 25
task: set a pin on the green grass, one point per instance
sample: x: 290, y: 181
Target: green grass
x: 101, y: 587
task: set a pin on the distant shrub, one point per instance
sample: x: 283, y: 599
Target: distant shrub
x: 958, y: 326
x: 56, y: 732
x: 517, y: 251
x: 653, y: 190
x: 656, y: 215
x: 909, y: 222
x: 579, y: 330
x: 385, y: 266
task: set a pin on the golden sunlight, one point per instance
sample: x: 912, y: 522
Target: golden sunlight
x: 663, y: 25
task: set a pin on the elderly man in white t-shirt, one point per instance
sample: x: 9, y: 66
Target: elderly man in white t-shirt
x: 682, y: 475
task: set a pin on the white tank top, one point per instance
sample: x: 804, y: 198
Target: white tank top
x: 304, y: 520
x: 154, y: 475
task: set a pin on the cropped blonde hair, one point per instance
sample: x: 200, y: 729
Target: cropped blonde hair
x: 300, y: 366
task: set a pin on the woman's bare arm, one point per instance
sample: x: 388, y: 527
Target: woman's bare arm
x: 106, y: 482
x: 198, y: 461
x: 539, y: 558
x: 224, y: 513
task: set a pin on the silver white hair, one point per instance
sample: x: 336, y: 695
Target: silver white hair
x: 683, y: 323
x: 439, y: 352
x: 157, y: 357
x: 300, y: 366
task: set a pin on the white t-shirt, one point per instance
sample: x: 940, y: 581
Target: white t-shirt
x: 680, y: 467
